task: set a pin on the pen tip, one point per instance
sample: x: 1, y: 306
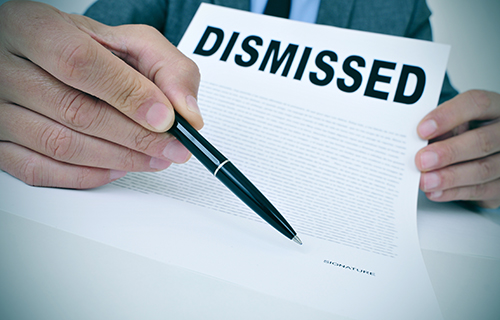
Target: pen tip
x: 297, y: 240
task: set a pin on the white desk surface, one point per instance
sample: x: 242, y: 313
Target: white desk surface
x: 47, y: 273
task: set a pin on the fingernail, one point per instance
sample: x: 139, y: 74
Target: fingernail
x: 192, y: 104
x: 158, y: 116
x: 427, y: 128
x: 428, y: 159
x: 431, y: 181
x: 159, y: 164
x: 116, y: 174
x: 436, y: 194
x: 176, y: 152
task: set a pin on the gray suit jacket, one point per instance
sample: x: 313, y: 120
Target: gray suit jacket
x: 407, y: 18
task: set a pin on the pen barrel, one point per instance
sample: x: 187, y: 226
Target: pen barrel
x: 201, y: 149
x: 229, y: 175
x: 235, y: 181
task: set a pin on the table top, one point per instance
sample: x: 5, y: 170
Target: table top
x: 57, y: 273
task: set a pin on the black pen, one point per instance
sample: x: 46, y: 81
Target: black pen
x: 230, y: 176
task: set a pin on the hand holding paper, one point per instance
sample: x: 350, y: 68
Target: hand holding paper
x: 464, y: 163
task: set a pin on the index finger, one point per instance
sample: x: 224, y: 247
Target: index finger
x: 149, y: 52
x: 468, y: 106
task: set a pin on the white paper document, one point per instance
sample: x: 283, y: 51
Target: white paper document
x: 323, y: 121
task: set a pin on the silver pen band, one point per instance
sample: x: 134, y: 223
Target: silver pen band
x: 220, y: 166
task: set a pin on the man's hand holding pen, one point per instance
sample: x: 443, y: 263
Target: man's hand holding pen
x: 82, y: 103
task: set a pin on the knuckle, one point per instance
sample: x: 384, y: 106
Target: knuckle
x: 128, y: 93
x: 83, y: 178
x: 146, y: 30
x: 448, y: 177
x: 29, y: 171
x: 144, y: 139
x: 188, y: 68
x: 80, y: 111
x: 478, y: 191
x: 486, y: 169
x: 127, y: 160
x: 449, y: 152
x: 76, y: 59
x: 484, y: 141
x: 59, y: 142
x: 481, y: 101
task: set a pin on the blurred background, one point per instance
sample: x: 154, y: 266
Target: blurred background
x: 471, y: 27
